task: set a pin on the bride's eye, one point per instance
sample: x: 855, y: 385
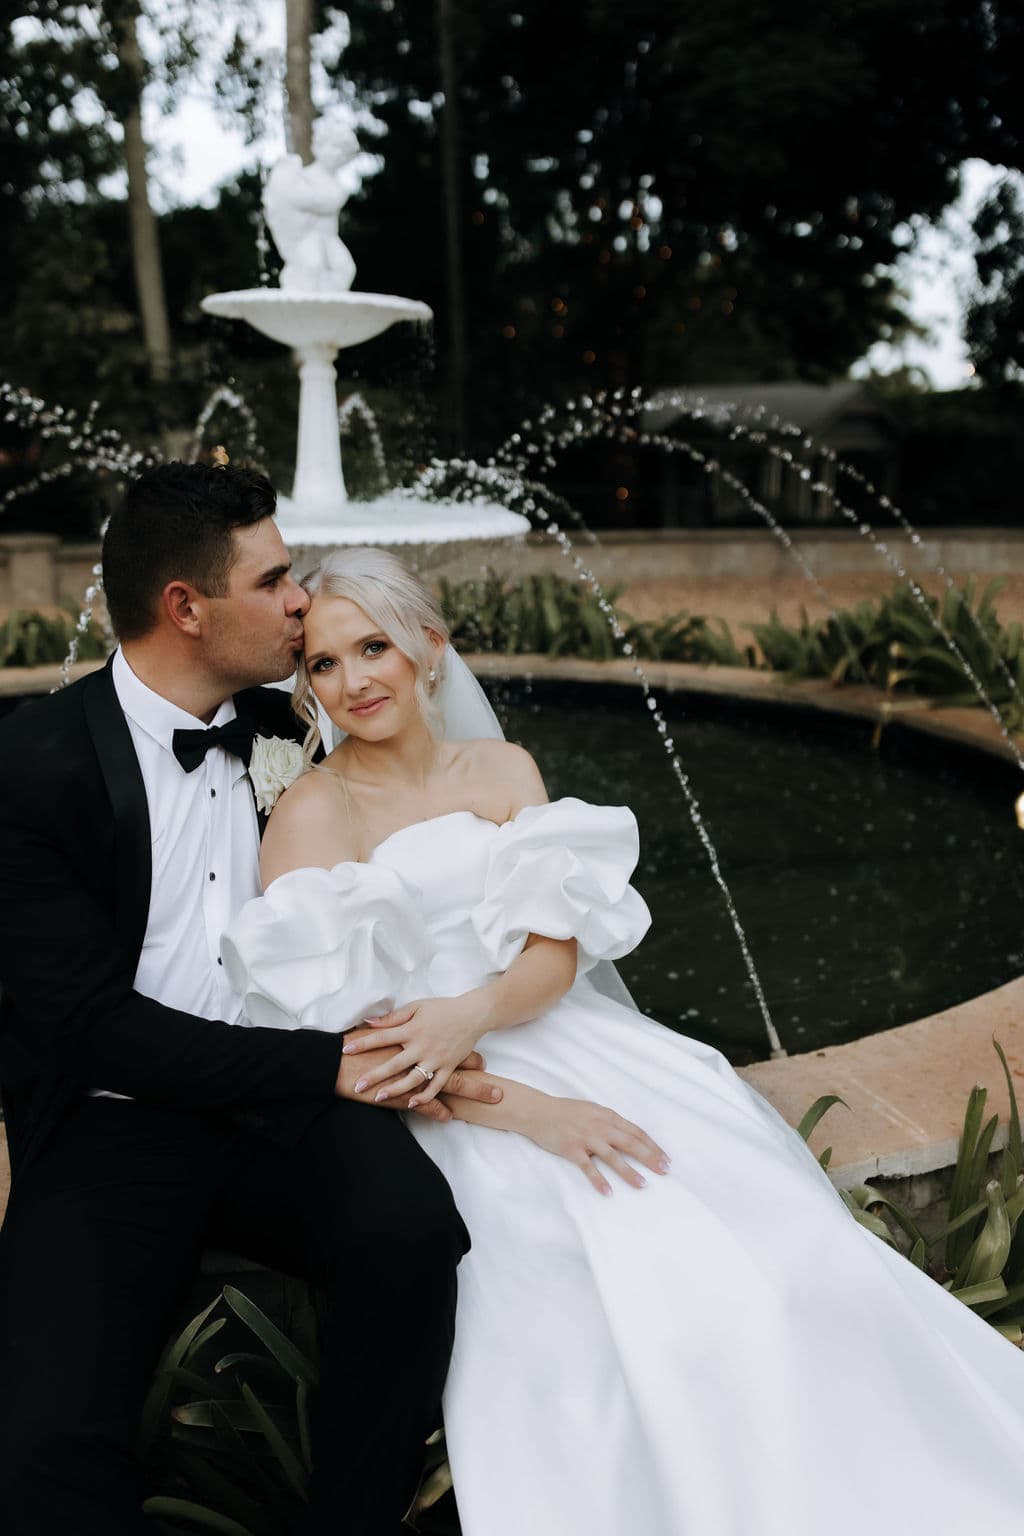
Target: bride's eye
x: 322, y: 665
x: 375, y: 647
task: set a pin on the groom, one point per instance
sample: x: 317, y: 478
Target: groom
x: 143, y: 1122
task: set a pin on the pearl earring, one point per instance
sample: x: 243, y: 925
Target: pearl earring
x: 431, y: 676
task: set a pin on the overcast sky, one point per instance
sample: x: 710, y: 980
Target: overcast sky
x: 195, y: 150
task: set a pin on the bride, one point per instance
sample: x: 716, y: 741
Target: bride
x: 717, y: 1350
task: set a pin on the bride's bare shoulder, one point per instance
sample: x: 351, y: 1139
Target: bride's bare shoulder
x: 312, y: 825
x: 512, y: 777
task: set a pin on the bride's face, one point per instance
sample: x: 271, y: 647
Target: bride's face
x: 361, y: 678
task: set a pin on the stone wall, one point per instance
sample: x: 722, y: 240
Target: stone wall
x: 747, y: 555
x: 38, y: 571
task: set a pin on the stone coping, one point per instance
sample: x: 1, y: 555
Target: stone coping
x: 18, y: 682
x: 798, y: 532
x: 965, y: 726
x: 960, y: 534
x: 906, y: 1088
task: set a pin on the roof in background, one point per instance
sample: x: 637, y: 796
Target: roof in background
x: 815, y: 408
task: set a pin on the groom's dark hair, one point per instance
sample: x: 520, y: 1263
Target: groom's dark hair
x: 175, y: 524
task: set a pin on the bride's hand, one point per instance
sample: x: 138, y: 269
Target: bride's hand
x: 435, y: 1033
x: 580, y: 1131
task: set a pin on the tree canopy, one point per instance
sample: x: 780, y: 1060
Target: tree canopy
x: 677, y: 191
x: 667, y: 192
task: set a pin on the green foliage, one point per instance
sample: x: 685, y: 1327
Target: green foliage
x: 709, y: 193
x: 891, y: 643
x: 225, y: 1442
x: 550, y: 616
x: 995, y: 317
x: 979, y: 1250
x: 36, y: 640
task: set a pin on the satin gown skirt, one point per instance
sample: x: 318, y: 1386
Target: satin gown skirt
x: 723, y: 1353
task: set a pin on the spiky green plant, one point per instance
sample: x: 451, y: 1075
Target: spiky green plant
x: 892, y: 643
x: 225, y: 1440
x: 978, y: 1254
x: 550, y: 616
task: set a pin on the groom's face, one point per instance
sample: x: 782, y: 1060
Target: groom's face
x: 253, y: 634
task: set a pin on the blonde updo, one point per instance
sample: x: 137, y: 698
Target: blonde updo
x: 399, y: 604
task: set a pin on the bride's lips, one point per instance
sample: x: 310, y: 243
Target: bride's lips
x: 370, y: 707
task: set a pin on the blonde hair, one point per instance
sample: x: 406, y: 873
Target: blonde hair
x: 399, y: 604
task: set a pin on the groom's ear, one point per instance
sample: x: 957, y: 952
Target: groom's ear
x: 181, y: 603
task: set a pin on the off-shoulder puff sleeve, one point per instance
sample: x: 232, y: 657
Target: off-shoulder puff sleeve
x: 562, y: 870
x: 325, y: 948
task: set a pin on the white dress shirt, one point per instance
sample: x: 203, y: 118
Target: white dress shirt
x: 206, y: 848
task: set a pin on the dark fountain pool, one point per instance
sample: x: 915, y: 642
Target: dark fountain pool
x: 875, y: 886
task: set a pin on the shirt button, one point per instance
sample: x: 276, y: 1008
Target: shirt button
x: 212, y: 875
x: 213, y: 794
x: 219, y: 960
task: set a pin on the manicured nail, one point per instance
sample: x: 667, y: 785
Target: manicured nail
x: 361, y: 1085
x: 641, y: 1183
x: 380, y: 1097
x: 414, y: 1102
x: 663, y: 1164
x: 606, y: 1189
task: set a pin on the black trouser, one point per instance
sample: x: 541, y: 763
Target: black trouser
x: 97, y: 1254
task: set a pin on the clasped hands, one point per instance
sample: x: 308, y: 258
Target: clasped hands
x: 439, y: 1034
x: 436, y: 1034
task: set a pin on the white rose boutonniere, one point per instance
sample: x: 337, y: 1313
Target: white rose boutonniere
x: 275, y: 763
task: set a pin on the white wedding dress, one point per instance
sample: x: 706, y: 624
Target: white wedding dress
x: 724, y: 1353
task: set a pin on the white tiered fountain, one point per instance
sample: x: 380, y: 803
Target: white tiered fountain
x: 315, y: 313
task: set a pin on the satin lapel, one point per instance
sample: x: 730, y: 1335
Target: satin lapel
x: 254, y: 702
x: 123, y: 778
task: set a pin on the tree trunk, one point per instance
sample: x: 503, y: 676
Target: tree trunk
x: 452, y: 225
x: 145, y: 239
x: 298, y: 89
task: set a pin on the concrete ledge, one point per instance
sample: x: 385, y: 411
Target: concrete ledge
x: 965, y: 726
x: 20, y: 682
x: 906, y: 1088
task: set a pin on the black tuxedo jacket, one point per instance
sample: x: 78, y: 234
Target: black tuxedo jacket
x: 75, y: 874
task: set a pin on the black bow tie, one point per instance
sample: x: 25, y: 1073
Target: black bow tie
x: 237, y: 736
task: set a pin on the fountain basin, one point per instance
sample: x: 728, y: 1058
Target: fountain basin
x: 315, y: 319
x: 875, y: 886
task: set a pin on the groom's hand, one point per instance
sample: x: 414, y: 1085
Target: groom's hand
x: 465, y: 1082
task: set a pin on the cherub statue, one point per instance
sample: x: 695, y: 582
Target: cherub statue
x: 302, y: 203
